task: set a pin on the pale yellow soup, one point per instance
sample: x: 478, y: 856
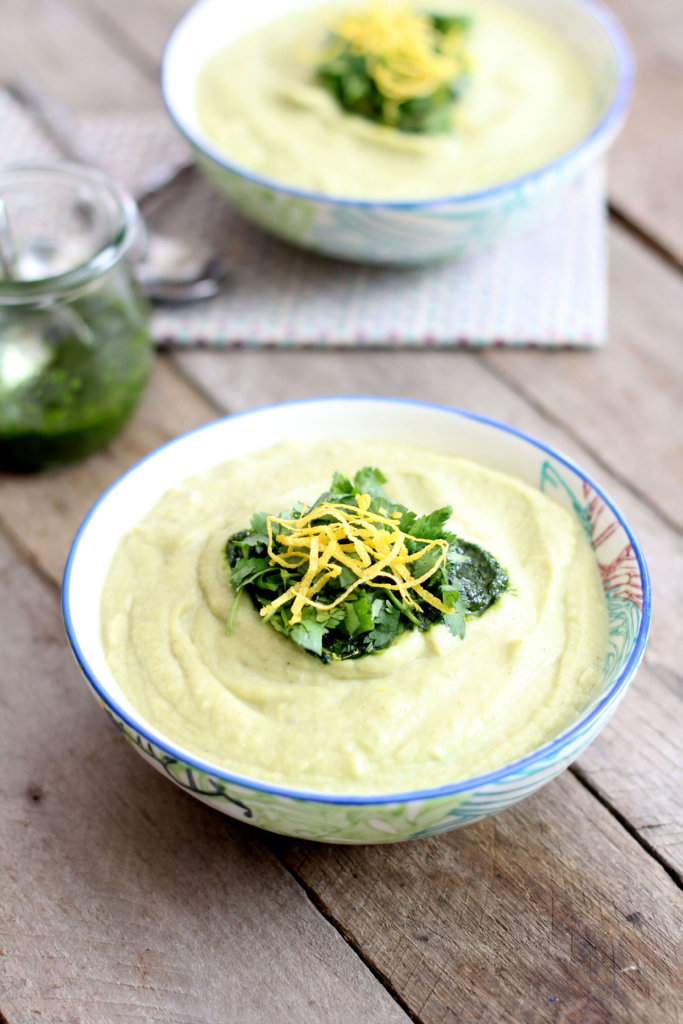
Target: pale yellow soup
x: 530, y: 100
x: 429, y: 710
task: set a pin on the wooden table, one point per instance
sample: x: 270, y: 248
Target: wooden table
x: 123, y: 900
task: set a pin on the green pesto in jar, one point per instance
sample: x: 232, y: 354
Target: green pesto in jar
x: 70, y: 377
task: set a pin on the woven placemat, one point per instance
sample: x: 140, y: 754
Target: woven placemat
x: 544, y: 287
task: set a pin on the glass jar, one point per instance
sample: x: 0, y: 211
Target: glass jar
x: 75, y: 347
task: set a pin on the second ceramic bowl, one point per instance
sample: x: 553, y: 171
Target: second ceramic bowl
x: 395, y: 232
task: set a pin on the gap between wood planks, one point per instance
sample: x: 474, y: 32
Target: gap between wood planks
x: 221, y: 410
x: 582, y: 777
x: 120, y: 40
x: 272, y: 841
x: 15, y: 541
x: 543, y: 410
x: 620, y: 217
x: 325, y: 907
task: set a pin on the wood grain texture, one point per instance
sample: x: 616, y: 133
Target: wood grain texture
x: 646, y: 166
x: 622, y: 402
x: 144, y: 28
x: 123, y: 900
x: 546, y: 913
x: 636, y: 765
x: 57, y: 45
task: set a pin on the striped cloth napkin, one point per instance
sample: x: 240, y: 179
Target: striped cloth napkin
x: 545, y: 287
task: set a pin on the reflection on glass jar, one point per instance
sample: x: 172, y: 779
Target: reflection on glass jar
x: 75, y: 347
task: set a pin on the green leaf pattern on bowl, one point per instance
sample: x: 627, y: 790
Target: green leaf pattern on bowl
x: 353, y: 821
x: 285, y: 215
x: 403, y: 233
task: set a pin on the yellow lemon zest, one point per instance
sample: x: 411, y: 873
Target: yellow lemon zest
x: 406, y: 56
x: 368, y: 543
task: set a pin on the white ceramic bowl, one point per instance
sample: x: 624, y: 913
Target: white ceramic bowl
x: 395, y: 232
x: 393, y: 816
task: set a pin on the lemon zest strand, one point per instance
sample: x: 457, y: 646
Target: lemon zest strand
x: 369, y: 544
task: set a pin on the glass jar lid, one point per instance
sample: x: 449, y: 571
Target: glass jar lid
x: 61, y: 227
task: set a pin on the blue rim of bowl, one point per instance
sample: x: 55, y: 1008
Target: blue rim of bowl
x: 608, y: 125
x: 475, y: 782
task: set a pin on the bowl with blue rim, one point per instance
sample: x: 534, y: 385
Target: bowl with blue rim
x: 355, y: 817
x: 398, y: 231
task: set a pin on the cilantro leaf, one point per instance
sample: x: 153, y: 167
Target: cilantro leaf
x: 247, y: 571
x: 309, y: 634
x: 341, y: 485
x: 432, y: 526
x: 369, y: 481
x: 466, y: 580
x: 355, y: 75
x: 358, y: 615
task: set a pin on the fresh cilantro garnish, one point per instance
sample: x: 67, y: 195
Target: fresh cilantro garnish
x: 399, y: 67
x: 345, y: 577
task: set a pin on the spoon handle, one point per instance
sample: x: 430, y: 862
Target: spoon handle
x: 58, y: 124
x: 205, y: 272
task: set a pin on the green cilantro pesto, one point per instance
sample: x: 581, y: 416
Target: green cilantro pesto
x: 269, y: 560
x: 68, y: 383
x: 401, y: 68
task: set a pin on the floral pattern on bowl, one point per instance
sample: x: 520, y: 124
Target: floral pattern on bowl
x: 391, y: 817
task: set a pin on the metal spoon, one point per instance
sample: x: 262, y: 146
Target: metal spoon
x: 169, y: 269
x: 176, y: 271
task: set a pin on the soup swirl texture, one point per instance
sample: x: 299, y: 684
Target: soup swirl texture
x: 431, y: 709
x: 528, y: 100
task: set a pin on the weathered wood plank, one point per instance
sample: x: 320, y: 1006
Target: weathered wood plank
x: 124, y: 900
x: 548, y: 912
x: 144, y: 28
x: 642, y: 781
x: 622, y: 402
x: 61, y: 48
x: 646, y: 167
x: 635, y: 764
